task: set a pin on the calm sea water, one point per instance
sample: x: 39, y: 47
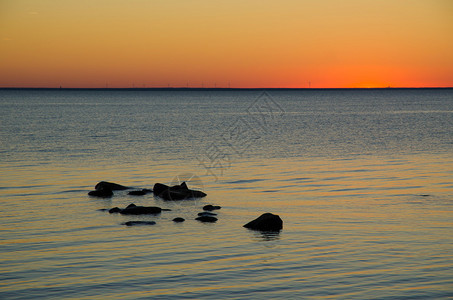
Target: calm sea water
x: 363, y: 180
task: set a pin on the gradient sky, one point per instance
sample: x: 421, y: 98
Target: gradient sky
x: 255, y: 43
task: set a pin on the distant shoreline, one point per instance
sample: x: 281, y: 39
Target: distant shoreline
x: 215, y: 89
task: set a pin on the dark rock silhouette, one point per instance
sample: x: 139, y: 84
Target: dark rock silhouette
x: 133, y: 223
x: 178, y: 220
x: 114, y: 210
x: 210, y: 219
x: 207, y: 213
x: 176, y: 192
x: 210, y: 207
x: 111, y: 186
x: 133, y: 209
x: 266, y: 222
x: 103, y: 193
x: 139, y: 192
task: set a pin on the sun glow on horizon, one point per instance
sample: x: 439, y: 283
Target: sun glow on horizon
x: 318, y: 44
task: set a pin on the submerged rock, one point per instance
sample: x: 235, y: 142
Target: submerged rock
x: 111, y: 186
x: 266, y: 222
x: 178, y: 220
x: 139, y: 192
x: 210, y: 207
x: 176, y: 192
x: 133, y: 223
x: 209, y: 219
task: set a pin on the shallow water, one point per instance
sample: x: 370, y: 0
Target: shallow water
x: 361, y: 178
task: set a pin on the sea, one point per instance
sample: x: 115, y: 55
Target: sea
x: 362, y: 179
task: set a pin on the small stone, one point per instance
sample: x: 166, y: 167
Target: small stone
x: 209, y: 219
x: 207, y: 213
x: 140, y: 210
x: 178, y: 220
x: 210, y: 207
x: 132, y: 223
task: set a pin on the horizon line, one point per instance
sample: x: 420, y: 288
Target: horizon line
x: 213, y: 88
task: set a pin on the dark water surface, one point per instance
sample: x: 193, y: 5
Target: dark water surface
x: 363, y: 180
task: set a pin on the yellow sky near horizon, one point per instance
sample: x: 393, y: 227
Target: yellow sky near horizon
x: 350, y: 43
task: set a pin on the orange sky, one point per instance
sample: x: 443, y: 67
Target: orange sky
x: 254, y: 43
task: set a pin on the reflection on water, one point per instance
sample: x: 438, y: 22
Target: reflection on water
x: 266, y: 235
x: 357, y: 224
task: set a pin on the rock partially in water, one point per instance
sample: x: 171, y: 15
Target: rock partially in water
x: 210, y: 207
x: 178, y: 220
x: 176, y: 192
x: 209, y: 219
x: 133, y: 223
x: 114, y: 210
x: 207, y: 213
x: 141, y: 210
x: 102, y: 193
x: 133, y: 209
x: 111, y: 186
x: 266, y: 222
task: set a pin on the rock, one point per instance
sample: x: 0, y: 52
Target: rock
x: 114, y: 210
x: 103, y: 193
x: 139, y: 192
x: 176, y: 192
x: 210, y: 207
x: 173, y: 195
x: 266, y: 222
x: 178, y: 220
x: 111, y: 186
x: 159, y: 188
x: 132, y: 223
x: 133, y: 209
x: 206, y: 219
x: 207, y: 213
x: 141, y: 210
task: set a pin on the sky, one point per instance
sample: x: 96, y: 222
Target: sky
x: 241, y: 44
